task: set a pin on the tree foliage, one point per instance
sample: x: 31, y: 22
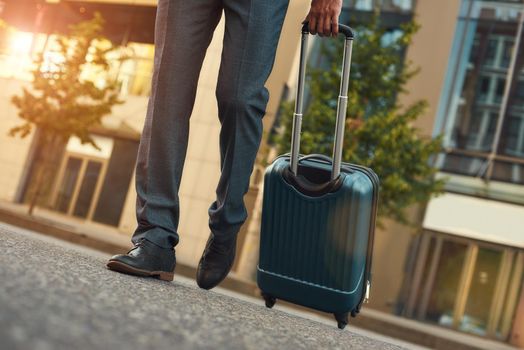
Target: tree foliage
x: 71, y: 91
x: 379, y: 131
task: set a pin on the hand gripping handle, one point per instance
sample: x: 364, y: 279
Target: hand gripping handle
x: 347, y: 31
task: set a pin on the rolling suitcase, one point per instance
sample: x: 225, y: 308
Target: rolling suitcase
x: 318, y: 218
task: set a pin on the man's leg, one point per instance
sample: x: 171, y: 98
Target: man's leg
x: 183, y: 32
x: 251, y: 36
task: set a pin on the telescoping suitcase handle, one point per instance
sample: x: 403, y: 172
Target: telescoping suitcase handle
x: 341, y: 106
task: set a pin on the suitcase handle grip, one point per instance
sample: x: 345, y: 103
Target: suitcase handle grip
x: 316, y: 156
x: 347, y: 31
x: 341, y: 106
x: 304, y: 186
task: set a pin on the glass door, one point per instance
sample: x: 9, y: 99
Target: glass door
x: 466, y: 285
x: 481, y: 291
x: 68, y: 184
x: 440, y: 295
x: 78, y: 185
x: 87, y: 188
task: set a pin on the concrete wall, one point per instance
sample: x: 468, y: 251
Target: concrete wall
x: 13, y: 150
x: 390, y: 250
x: 430, y: 51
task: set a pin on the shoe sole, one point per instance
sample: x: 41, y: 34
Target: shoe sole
x: 130, y: 270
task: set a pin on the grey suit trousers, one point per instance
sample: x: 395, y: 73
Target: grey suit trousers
x: 183, y: 31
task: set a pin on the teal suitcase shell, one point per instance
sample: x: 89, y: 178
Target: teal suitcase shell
x: 316, y: 251
x: 317, y: 230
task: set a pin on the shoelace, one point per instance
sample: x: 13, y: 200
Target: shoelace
x: 137, y: 245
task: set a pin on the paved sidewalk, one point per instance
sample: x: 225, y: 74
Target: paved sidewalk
x: 54, y: 295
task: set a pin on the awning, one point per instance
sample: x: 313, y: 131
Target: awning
x: 476, y: 218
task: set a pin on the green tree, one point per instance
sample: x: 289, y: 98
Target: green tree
x: 69, y: 94
x: 379, y: 131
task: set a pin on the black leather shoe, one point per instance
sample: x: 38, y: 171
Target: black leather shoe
x: 216, y: 261
x: 146, y: 259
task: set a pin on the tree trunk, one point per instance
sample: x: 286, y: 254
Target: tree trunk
x: 42, y: 158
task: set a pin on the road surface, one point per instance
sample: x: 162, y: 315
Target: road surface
x: 54, y: 295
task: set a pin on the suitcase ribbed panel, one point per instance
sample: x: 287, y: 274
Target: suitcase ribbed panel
x: 319, y: 240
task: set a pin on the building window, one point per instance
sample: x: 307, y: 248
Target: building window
x: 80, y: 178
x: 18, y: 53
x: 135, y: 73
x: 16, y: 58
x: 467, y: 285
x: 398, y: 6
x: 482, y: 105
x: 364, y: 5
x: 93, y: 184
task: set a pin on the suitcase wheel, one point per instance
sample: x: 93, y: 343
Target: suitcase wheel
x: 342, y: 320
x: 354, y: 313
x: 270, y: 300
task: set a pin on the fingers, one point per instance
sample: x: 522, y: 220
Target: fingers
x: 323, y: 17
x: 313, y: 25
x: 320, y: 26
x: 327, y: 26
x: 334, y: 26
